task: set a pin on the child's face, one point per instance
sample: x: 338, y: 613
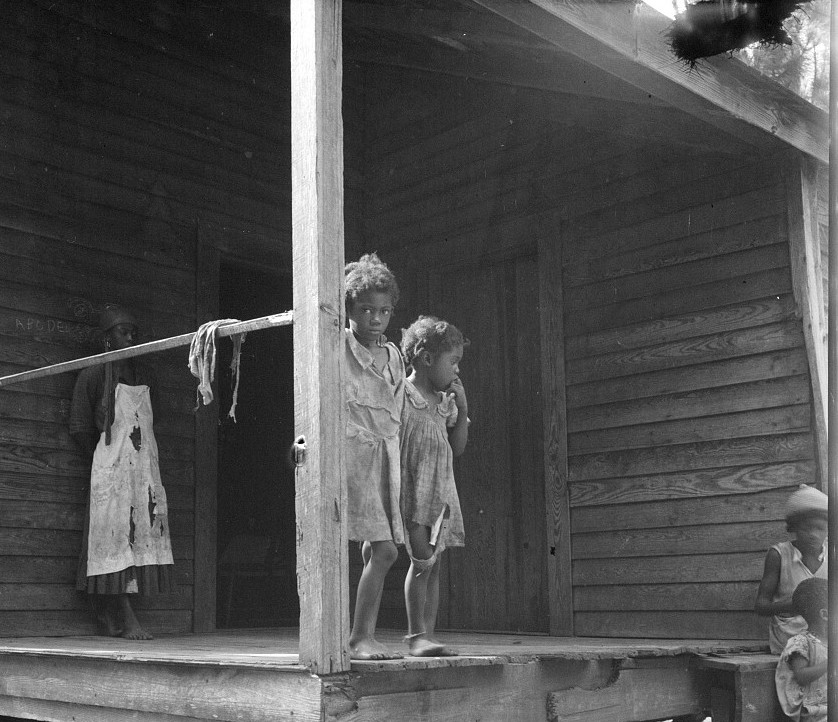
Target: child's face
x: 370, y: 315
x: 811, y: 532
x: 444, y: 368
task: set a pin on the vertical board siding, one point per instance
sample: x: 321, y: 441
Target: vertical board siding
x: 121, y: 137
x: 689, y: 411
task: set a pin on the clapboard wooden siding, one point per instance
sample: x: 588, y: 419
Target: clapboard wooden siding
x: 123, y: 140
x: 688, y: 397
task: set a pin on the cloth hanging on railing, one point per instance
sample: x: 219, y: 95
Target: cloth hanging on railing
x: 202, y: 362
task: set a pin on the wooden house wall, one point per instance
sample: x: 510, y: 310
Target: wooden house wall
x: 129, y: 140
x: 687, y: 391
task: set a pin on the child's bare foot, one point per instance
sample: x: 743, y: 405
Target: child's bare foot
x: 370, y: 649
x: 423, y: 646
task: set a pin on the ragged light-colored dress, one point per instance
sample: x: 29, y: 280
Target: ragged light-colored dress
x: 792, y: 571
x: 806, y: 703
x: 374, y: 400
x: 429, y: 494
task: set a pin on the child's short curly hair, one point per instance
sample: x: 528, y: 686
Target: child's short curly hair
x: 369, y: 273
x: 429, y: 333
x: 809, y: 597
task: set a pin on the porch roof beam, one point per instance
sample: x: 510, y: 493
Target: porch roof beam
x: 628, y: 40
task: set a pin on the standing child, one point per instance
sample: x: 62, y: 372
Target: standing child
x: 374, y: 393
x: 801, y: 671
x: 125, y: 548
x: 790, y: 562
x: 434, y: 431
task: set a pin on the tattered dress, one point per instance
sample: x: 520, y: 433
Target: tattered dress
x: 127, y: 547
x: 429, y: 494
x: 373, y: 408
x: 807, y: 703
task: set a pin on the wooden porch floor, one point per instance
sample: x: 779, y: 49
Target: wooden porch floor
x: 276, y: 648
x: 254, y: 675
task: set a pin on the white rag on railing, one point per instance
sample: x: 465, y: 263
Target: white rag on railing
x: 202, y: 361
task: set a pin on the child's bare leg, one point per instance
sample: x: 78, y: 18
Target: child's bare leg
x: 417, y: 586
x: 131, y: 628
x: 362, y: 642
x: 432, y: 609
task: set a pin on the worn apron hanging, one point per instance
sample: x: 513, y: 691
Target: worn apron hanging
x: 129, y: 524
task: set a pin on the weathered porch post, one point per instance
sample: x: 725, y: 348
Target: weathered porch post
x: 317, y: 215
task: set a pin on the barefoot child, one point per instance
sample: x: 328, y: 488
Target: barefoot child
x: 801, y: 671
x: 434, y: 431
x: 790, y: 562
x: 125, y: 548
x: 374, y: 393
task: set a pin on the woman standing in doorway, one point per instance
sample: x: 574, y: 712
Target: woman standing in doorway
x: 126, y: 548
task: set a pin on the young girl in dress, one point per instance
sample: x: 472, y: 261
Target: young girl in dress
x: 125, y: 548
x: 790, y: 562
x: 434, y: 431
x: 801, y: 671
x: 374, y: 381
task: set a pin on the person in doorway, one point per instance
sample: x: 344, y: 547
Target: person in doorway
x: 434, y: 431
x: 801, y: 671
x: 374, y: 383
x: 790, y: 562
x: 126, y: 549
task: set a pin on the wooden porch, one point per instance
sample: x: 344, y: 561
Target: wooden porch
x: 255, y: 675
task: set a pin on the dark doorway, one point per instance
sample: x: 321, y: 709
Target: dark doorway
x: 256, y: 520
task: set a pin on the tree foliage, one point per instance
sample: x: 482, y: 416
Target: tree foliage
x: 803, y: 66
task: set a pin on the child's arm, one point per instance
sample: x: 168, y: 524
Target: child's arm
x: 804, y: 674
x: 768, y: 585
x: 458, y: 434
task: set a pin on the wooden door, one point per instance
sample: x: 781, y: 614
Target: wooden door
x: 498, y: 581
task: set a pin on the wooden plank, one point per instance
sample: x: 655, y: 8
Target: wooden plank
x: 763, y: 506
x: 695, y: 246
x: 207, y: 270
x: 60, y: 623
x: 668, y: 689
x: 702, y: 349
x: 770, y: 421
x: 647, y: 283
x: 62, y: 570
x: 685, y: 457
x: 787, y: 362
x: 662, y: 624
x: 690, y: 484
x: 35, y: 596
x: 709, y: 596
x: 759, y: 312
x: 703, y: 296
x: 317, y: 213
x: 806, y: 272
x: 16, y: 708
x: 753, y: 396
x: 703, y: 538
x: 190, y: 690
x: 628, y: 41
x: 557, y: 507
x: 752, y: 195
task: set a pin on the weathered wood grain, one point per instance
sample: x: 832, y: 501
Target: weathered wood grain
x: 764, y: 506
x: 318, y: 259
x: 691, y: 484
